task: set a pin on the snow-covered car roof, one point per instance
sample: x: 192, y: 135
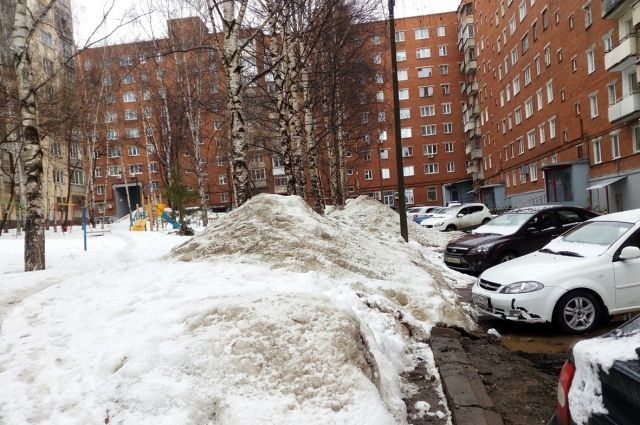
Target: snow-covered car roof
x: 631, y: 216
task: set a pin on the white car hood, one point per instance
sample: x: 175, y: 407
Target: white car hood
x: 536, y: 266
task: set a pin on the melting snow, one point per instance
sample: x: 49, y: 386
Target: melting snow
x: 273, y: 314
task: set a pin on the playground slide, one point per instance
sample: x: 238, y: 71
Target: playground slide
x: 168, y: 219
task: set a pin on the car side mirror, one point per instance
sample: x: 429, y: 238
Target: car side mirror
x: 460, y: 215
x: 629, y: 253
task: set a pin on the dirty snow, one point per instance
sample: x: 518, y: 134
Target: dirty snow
x: 273, y: 314
x: 590, y: 356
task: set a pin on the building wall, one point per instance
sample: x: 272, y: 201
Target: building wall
x: 571, y: 41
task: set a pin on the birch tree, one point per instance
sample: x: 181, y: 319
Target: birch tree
x: 23, y: 30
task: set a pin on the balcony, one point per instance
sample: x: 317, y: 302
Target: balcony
x: 479, y: 175
x: 281, y: 190
x: 614, y: 9
x: 626, y: 108
x: 475, y: 111
x: 623, y: 55
x: 471, y: 88
x: 635, y: 17
x: 260, y: 184
x: 476, y: 153
x: 278, y: 171
x: 470, y: 66
x: 469, y: 126
x: 472, y: 168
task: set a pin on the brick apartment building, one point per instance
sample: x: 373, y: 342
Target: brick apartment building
x: 131, y: 125
x: 556, y: 117
x: 430, y: 90
x: 511, y: 103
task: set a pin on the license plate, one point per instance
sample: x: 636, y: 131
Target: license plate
x: 480, y: 300
x: 454, y: 260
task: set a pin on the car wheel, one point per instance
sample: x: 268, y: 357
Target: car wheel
x: 450, y: 228
x: 486, y: 220
x: 577, y: 312
x: 507, y: 256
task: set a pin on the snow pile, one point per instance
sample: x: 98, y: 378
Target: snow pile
x: 383, y: 222
x: 284, y: 232
x: 591, y: 356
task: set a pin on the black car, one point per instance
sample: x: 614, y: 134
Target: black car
x: 620, y: 385
x: 516, y: 232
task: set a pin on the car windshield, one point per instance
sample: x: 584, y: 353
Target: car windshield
x: 589, y: 239
x: 506, y: 224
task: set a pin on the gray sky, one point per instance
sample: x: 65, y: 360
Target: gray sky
x: 88, y: 14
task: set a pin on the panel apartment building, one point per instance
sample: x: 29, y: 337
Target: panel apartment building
x: 550, y: 117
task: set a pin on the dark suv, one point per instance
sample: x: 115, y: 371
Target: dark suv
x: 514, y: 233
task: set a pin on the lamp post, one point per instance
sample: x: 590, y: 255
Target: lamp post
x: 402, y: 208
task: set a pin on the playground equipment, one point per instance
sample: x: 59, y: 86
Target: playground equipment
x: 143, y: 215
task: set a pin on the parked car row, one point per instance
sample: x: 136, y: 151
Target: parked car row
x: 454, y: 216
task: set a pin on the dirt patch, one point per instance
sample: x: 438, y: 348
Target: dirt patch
x: 424, y: 393
x: 523, y: 390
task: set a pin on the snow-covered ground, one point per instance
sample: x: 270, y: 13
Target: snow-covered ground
x: 273, y: 314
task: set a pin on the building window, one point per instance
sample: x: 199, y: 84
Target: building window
x: 382, y: 117
x: 514, y: 55
x: 380, y: 97
x: 399, y: 36
x: 527, y: 76
x: 132, y: 133
x: 446, y: 108
x: 607, y: 43
x: 541, y: 133
x: 407, y: 151
x: 635, y: 131
x: 368, y: 175
x: 375, y: 39
x: 444, y: 69
x: 258, y: 174
x: 447, y: 127
x: 536, y: 61
x: 549, y: 86
x: 432, y: 194
x: 428, y: 130
x: 547, y: 55
x: 401, y: 56
x: 112, y: 134
x: 386, y: 174
x: 574, y: 63
x: 430, y: 150
x: 552, y: 127
x: 153, y: 167
x: 127, y: 79
x: 593, y: 104
x: 448, y: 147
x: 133, y: 151
x: 597, y: 153
x: 130, y: 115
x: 425, y: 72
x: 377, y: 59
x: 528, y: 107
x: 611, y: 93
x: 423, y: 53
x: 428, y: 111
x: 451, y: 167
x: 591, y: 61
x: 422, y: 33
x: 615, y: 145
x: 445, y: 89
x: 222, y: 179
x: 403, y: 75
x: 441, y: 31
x: 408, y: 170
x: 516, y: 85
x: 384, y: 153
x: 129, y: 97
x: 512, y: 25
x: 403, y: 94
x: 405, y: 133
x: 520, y: 142
x: 531, y: 139
x: 533, y: 172
x: 432, y: 168
x: 114, y: 170
x: 135, y: 169
x: 405, y: 113
x: 588, y: 15
x: 518, y: 115
x: 426, y: 91
x: 442, y: 50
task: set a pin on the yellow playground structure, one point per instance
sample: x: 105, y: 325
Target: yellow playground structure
x: 145, y: 217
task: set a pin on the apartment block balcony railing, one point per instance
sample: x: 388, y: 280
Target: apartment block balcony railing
x: 623, y: 55
x: 476, y: 153
x: 470, y: 66
x: 473, y: 168
x: 471, y: 88
x: 626, y: 109
x: 278, y: 171
x: 614, y: 9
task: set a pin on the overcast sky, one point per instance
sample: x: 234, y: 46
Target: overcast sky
x: 88, y: 14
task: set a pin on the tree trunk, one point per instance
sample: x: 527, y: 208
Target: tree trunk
x: 34, y: 247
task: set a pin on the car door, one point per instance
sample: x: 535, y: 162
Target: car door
x: 627, y: 275
x: 462, y: 219
x: 540, y: 230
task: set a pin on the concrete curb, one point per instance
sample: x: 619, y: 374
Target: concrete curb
x: 468, y: 399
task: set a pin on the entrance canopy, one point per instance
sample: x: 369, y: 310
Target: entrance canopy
x: 606, y: 182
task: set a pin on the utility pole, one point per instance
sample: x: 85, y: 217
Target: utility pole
x: 402, y: 208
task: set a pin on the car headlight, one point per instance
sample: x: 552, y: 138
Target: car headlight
x: 522, y: 287
x: 480, y: 249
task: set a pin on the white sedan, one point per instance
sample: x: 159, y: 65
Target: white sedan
x: 466, y: 216
x: 575, y: 281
